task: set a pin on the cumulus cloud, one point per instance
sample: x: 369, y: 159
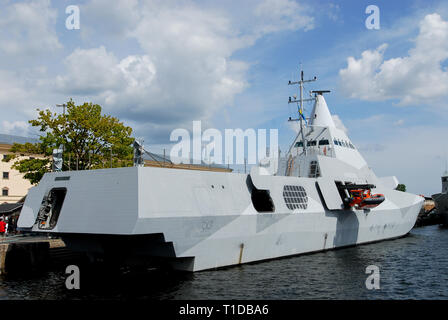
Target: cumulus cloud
x: 186, y: 70
x: 116, y: 19
x: 280, y: 15
x: 90, y: 71
x: 416, y: 78
x: 180, y: 65
x: 27, y: 29
x: 20, y: 128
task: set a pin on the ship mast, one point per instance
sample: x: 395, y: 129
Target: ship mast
x: 300, y: 104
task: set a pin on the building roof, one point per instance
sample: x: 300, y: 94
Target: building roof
x: 11, y: 139
x: 8, y: 208
x: 160, y: 158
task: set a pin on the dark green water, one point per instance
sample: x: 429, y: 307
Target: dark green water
x: 413, y: 267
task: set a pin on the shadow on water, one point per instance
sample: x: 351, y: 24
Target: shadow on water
x: 106, y: 282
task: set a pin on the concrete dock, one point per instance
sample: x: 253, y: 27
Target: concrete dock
x: 27, y: 253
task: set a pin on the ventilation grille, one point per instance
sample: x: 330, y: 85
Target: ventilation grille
x: 295, y: 197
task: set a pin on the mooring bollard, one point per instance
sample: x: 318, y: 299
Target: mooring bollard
x: 3, y: 250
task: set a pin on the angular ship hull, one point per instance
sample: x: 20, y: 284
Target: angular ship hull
x: 202, y: 220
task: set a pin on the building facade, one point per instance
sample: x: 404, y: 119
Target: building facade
x: 13, y: 186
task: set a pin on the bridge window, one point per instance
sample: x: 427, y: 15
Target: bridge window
x: 311, y: 143
x: 299, y: 144
x: 324, y: 142
x: 295, y: 197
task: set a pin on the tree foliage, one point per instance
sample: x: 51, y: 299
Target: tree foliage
x: 401, y: 187
x: 90, y: 140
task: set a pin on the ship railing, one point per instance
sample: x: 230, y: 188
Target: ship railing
x: 326, y: 151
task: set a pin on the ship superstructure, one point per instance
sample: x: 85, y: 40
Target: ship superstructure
x: 303, y: 201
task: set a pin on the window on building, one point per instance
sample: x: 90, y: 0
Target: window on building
x: 5, y: 192
x: 5, y: 175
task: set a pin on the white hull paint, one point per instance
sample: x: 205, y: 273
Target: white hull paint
x: 209, y: 223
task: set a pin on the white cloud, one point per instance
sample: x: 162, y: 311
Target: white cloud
x: 102, y: 17
x: 278, y: 15
x: 180, y: 65
x: 90, y: 71
x: 20, y: 128
x: 416, y: 78
x: 186, y: 70
x: 27, y: 29
x: 338, y: 123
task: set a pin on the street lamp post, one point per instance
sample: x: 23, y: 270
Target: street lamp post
x: 63, y: 146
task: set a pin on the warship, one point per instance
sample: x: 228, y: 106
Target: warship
x: 320, y: 195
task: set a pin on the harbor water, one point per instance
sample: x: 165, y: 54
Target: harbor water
x: 412, y: 267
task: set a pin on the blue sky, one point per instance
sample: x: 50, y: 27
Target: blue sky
x: 159, y: 65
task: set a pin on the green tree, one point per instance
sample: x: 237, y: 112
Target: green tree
x: 90, y: 140
x: 401, y: 187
